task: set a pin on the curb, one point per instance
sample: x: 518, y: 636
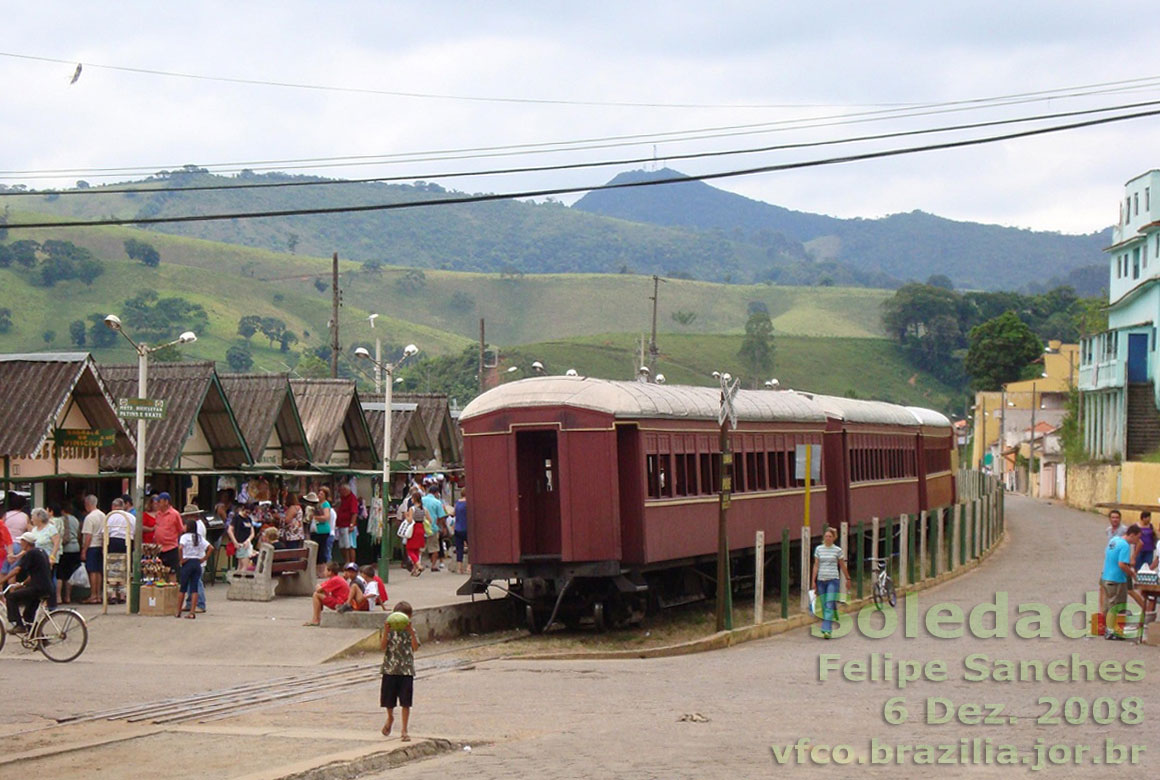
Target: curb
x: 723, y: 639
x: 356, y: 763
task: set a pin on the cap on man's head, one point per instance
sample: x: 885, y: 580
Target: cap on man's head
x: 28, y: 537
x: 163, y: 495
x: 351, y: 567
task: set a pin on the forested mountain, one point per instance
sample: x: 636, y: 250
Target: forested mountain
x: 910, y: 246
x: 686, y: 230
x: 502, y: 236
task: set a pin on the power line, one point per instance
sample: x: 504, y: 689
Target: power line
x: 585, y: 165
x: 535, y: 101
x: 484, y: 198
x: 425, y: 95
x: 674, y: 136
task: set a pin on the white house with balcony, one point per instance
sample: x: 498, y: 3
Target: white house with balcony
x: 1117, y: 375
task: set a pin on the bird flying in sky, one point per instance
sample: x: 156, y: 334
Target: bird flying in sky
x: 76, y: 74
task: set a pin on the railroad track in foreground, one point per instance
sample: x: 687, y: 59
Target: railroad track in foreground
x: 222, y: 703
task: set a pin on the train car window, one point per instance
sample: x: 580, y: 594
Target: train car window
x: 738, y: 466
x: 654, y: 476
x: 751, y: 471
x: 762, y: 477
x: 715, y: 473
x: 666, y: 476
x: 548, y: 481
x: 681, y: 473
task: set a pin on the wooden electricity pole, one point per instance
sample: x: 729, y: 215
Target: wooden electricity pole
x: 482, y: 347
x: 726, y: 417
x: 652, y: 342
x: 335, y: 297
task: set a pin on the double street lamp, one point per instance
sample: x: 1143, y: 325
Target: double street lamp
x: 113, y: 322
x: 388, y: 371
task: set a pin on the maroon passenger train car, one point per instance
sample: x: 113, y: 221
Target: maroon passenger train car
x: 598, y: 498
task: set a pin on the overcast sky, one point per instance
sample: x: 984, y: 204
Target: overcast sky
x: 792, y: 60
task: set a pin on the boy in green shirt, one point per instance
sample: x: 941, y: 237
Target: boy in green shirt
x: 398, y: 643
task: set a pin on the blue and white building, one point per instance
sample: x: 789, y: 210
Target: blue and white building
x: 1117, y: 376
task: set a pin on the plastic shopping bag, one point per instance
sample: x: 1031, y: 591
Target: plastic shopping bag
x: 813, y: 602
x: 79, y: 578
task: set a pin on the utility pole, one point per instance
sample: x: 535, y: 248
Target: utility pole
x: 335, y: 297
x: 726, y: 417
x: 482, y: 347
x: 1031, y: 459
x: 1002, y: 434
x: 652, y: 344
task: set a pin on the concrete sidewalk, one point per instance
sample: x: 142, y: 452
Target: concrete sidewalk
x: 243, y: 631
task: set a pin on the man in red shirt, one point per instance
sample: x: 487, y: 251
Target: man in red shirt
x: 167, y: 530
x: 331, y: 592
x: 347, y: 512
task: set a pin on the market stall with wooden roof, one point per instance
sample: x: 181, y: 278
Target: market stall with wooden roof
x: 59, y: 431
x: 442, y: 430
x: 339, y: 438
x: 267, y: 414
x: 198, y: 439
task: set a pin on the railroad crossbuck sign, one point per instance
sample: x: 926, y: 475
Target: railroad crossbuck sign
x: 141, y: 408
x: 728, y: 393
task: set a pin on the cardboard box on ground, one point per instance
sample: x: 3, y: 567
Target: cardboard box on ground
x: 160, y: 600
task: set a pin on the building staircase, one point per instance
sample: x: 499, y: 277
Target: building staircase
x: 1143, y: 420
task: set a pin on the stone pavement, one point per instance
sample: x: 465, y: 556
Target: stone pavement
x: 624, y: 718
x: 232, y: 632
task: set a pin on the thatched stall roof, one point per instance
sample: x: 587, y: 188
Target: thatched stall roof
x: 194, y: 398
x: 263, y: 405
x: 35, y: 391
x: 328, y: 408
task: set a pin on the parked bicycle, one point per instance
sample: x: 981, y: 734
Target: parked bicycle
x: 61, y: 634
x: 883, y: 588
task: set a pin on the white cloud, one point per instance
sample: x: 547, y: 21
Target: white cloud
x: 834, y: 54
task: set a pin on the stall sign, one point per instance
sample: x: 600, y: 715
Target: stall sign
x: 84, y: 438
x: 141, y: 408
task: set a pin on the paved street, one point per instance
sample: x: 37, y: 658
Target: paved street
x: 623, y: 718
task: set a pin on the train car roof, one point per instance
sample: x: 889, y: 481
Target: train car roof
x: 855, y: 410
x: 631, y: 400
x: 929, y: 417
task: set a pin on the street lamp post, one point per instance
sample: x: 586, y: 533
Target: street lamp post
x: 388, y: 372
x: 113, y: 322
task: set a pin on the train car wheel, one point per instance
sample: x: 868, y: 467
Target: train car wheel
x: 598, y: 617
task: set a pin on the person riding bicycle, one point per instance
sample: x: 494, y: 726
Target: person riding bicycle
x: 34, y: 569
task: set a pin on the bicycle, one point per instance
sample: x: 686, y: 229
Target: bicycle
x: 883, y: 586
x: 61, y: 634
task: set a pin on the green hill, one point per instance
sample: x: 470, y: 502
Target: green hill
x: 865, y: 368
x: 518, y: 308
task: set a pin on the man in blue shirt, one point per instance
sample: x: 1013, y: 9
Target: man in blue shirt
x: 435, y: 510
x: 1117, y: 577
x: 460, y: 529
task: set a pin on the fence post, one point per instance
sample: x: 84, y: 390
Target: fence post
x: 888, y: 534
x: 923, y: 560
x: 955, y: 522
x: 783, y: 589
x: 844, y: 533
x: 912, y: 548
x: 874, y: 537
x: 860, y: 555
x: 939, y: 542
x: 759, y: 585
x: 971, y: 554
x: 806, y: 565
x: 904, y: 549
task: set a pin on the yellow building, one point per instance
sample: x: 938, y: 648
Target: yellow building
x: 1011, y: 408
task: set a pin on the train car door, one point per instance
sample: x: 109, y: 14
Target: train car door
x: 538, y: 468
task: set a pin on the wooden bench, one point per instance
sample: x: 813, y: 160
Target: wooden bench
x: 278, y: 572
